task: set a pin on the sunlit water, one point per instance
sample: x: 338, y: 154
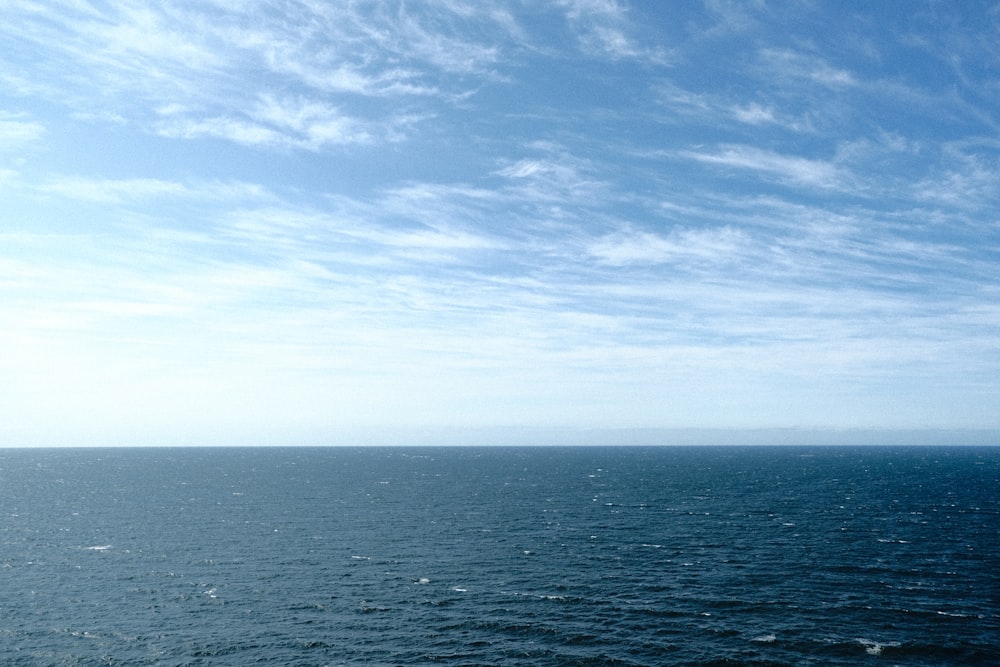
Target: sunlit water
x: 472, y: 556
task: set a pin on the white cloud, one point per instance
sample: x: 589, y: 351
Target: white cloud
x: 713, y: 247
x: 311, y: 124
x: 111, y: 191
x: 786, y: 168
x: 232, y: 129
x: 684, y: 101
x: 449, y: 51
x: 16, y: 131
x: 555, y: 176
x: 184, y: 68
x: 754, y: 114
x: 117, y: 191
x: 153, y: 36
x: 718, y: 110
x: 303, y: 125
x: 529, y: 168
x: 736, y: 16
x: 603, y: 28
x: 172, y: 109
x: 968, y: 181
x: 608, y: 9
x: 7, y: 176
x: 784, y: 63
x: 348, y: 77
x: 384, y: 235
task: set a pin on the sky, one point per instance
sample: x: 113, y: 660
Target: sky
x: 484, y: 221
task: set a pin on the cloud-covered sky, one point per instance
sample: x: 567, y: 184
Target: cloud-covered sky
x: 304, y: 221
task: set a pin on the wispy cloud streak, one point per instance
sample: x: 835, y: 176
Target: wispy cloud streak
x: 785, y: 168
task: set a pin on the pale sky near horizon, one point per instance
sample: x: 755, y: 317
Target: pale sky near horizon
x: 278, y: 222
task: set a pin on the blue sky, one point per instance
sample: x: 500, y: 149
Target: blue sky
x: 258, y: 222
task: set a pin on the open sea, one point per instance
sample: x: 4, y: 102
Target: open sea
x: 500, y: 556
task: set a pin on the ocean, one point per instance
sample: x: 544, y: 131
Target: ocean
x: 500, y: 556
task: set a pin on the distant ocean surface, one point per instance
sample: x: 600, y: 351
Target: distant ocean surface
x: 500, y: 556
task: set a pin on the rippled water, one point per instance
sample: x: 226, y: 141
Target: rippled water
x: 474, y: 556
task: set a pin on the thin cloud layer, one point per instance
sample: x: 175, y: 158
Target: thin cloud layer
x: 256, y: 222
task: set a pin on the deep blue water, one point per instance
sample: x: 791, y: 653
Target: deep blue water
x: 480, y: 556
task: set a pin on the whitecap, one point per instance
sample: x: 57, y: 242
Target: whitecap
x: 875, y: 648
x: 101, y: 547
x: 765, y: 639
